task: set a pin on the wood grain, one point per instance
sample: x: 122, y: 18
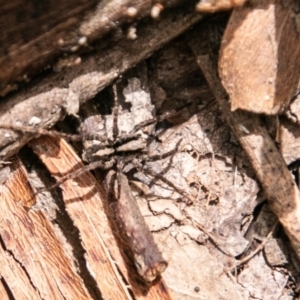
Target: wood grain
x: 84, y: 201
x: 30, y: 251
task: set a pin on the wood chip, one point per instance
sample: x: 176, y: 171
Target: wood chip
x: 260, y: 56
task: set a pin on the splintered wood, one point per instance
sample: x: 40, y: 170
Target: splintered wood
x: 30, y: 246
x: 38, y: 251
x: 82, y: 197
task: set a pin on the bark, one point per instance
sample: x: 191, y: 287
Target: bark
x: 195, y: 187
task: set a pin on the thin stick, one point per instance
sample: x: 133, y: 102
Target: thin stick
x: 77, y: 173
x: 40, y: 131
x: 265, y: 158
x: 253, y: 253
x: 148, y: 259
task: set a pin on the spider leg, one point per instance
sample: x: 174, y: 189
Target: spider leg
x: 41, y: 131
x: 167, y: 154
x: 160, y: 118
x: 91, y: 166
x: 160, y: 176
x: 115, y: 113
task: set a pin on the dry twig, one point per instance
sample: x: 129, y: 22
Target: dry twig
x: 267, y: 162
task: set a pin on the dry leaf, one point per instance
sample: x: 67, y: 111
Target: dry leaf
x: 260, y: 56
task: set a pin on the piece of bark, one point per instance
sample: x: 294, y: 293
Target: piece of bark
x: 267, y: 162
x: 83, y: 203
x: 31, y: 35
x: 34, y: 264
x: 147, y: 257
x: 34, y: 36
x: 83, y: 199
x: 80, y: 83
x: 260, y: 56
x: 111, y: 14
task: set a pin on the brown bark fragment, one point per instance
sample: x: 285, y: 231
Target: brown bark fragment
x: 83, y: 202
x: 147, y: 257
x: 260, y: 56
x: 35, y: 249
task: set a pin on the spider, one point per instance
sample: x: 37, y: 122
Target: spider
x: 116, y: 142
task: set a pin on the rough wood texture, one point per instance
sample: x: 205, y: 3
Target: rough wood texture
x: 34, y: 35
x: 201, y: 239
x: 61, y: 93
x: 85, y: 204
x: 30, y: 248
x: 260, y: 56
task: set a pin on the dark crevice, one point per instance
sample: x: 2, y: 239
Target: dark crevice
x: 21, y: 266
x: 7, y: 289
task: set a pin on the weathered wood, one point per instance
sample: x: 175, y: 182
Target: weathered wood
x: 34, y: 262
x: 50, y: 99
x: 85, y: 203
x: 34, y: 35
